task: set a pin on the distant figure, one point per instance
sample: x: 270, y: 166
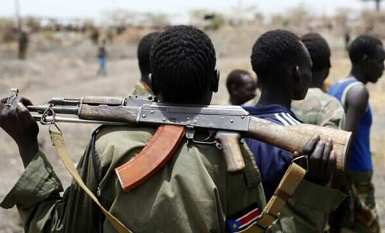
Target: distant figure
x: 318, y: 108
x: 23, y: 45
x: 367, y: 57
x: 347, y: 39
x: 94, y: 36
x: 102, y: 58
x: 242, y: 87
x: 143, y: 87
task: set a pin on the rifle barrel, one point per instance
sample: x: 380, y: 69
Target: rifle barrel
x: 37, y: 117
x: 57, y: 109
x: 64, y: 101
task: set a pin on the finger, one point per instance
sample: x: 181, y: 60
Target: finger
x: 332, y: 163
x: 309, y: 146
x: 25, y: 101
x: 326, y: 154
x: 20, y: 107
x: 4, y: 108
x: 316, y: 162
x: 14, y: 101
x: 23, y: 113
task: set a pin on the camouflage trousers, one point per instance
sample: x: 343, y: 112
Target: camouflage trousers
x: 358, y: 213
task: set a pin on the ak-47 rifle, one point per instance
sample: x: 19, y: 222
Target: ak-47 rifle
x: 229, y: 121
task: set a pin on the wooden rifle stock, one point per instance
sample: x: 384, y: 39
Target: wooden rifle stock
x: 293, y: 138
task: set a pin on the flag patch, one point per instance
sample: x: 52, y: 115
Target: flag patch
x: 243, y: 220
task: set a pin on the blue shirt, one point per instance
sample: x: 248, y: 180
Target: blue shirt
x: 271, y: 160
x: 360, y: 159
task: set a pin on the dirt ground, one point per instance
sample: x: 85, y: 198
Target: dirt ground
x: 69, y: 69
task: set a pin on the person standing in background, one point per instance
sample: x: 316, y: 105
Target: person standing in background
x: 102, y: 58
x: 318, y: 108
x: 23, y: 42
x: 367, y: 57
x: 242, y: 88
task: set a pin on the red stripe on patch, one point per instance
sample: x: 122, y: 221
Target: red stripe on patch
x: 245, y: 219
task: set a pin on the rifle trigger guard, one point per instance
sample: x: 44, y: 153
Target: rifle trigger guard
x: 190, y: 136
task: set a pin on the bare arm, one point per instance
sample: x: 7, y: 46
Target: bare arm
x: 356, y: 103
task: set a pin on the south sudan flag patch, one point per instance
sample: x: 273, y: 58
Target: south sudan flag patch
x: 241, y: 221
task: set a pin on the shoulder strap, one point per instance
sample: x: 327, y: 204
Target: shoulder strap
x: 58, y: 142
x: 286, y: 188
x: 157, y: 152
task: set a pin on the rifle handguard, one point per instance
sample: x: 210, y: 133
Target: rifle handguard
x: 294, y: 138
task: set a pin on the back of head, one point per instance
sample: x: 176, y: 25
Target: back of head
x: 367, y: 56
x: 319, y: 51
x: 235, y: 78
x: 363, y: 47
x: 241, y: 86
x: 183, y: 66
x: 273, y: 52
x: 144, y: 52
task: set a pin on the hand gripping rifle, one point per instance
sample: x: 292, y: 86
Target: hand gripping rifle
x: 229, y: 121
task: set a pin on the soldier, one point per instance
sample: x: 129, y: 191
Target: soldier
x: 283, y: 67
x: 102, y: 58
x: 23, y: 45
x: 318, y: 108
x: 193, y: 192
x: 367, y: 56
x: 143, y: 87
x: 242, y: 87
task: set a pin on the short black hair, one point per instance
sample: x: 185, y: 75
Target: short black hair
x: 274, y: 50
x: 234, y: 77
x: 144, y: 52
x: 183, y: 64
x: 363, y: 46
x: 319, y: 50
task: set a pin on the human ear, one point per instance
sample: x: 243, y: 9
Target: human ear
x: 296, y: 75
x: 215, y: 81
x: 154, y: 84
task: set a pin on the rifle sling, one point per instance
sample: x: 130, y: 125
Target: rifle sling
x: 58, y: 142
x: 157, y: 152
x: 286, y: 188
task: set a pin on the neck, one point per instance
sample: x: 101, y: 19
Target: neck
x: 318, y: 80
x: 357, y: 74
x: 269, y: 97
x: 234, y: 101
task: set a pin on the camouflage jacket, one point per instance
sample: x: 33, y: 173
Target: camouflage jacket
x: 191, y: 193
x: 319, y: 108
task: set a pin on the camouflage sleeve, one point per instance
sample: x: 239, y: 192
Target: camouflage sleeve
x: 333, y: 115
x: 43, y: 209
x: 308, y: 209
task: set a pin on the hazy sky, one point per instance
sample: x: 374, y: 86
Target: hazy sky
x: 94, y: 8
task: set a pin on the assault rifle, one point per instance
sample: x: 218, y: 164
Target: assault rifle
x: 229, y: 122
